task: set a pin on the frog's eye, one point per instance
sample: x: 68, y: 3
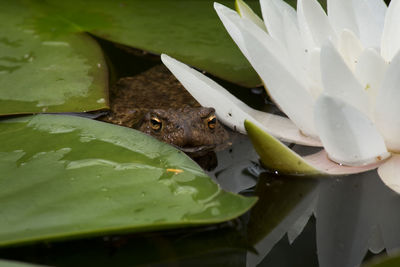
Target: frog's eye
x: 155, y: 123
x: 212, y: 122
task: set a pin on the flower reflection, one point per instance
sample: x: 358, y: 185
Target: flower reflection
x: 352, y: 215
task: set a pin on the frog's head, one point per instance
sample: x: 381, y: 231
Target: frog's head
x: 191, y: 129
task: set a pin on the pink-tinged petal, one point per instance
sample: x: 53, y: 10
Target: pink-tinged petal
x: 390, y: 42
x: 387, y: 111
x: 338, y: 80
x: 348, y: 135
x: 314, y: 22
x: 390, y: 173
x: 370, y: 71
x: 246, y: 12
x: 273, y: 11
x: 370, y: 16
x: 341, y: 15
x: 230, y: 110
x: 286, y: 89
x: 321, y: 161
x: 277, y: 156
x: 350, y: 48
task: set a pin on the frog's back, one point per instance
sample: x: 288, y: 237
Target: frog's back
x: 156, y: 88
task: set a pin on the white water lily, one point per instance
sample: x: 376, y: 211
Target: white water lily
x: 336, y: 76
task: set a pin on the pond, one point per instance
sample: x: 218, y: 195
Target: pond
x: 297, y: 221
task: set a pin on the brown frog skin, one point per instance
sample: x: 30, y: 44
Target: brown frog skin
x: 155, y: 103
x: 191, y: 129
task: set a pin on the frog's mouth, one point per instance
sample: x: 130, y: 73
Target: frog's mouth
x: 197, y: 150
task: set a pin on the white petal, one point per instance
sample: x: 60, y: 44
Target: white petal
x: 339, y: 81
x: 314, y: 72
x: 246, y: 12
x: 313, y: 21
x: 342, y: 16
x: 350, y: 48
x: 285, y: 89
x: 347, y: 134
x: 273, y: 11
x: 387, y: 112
x: 235, y: 25
x: 281, y: 128
x: 370, y: 16
x: 391, y: 31
x: 370, y: 71
x: 304, y: 28
x: 390, y: 173
x: 321, y: 161
x: 229, y: 18
x: 230, y: 110
x: 294, y: 45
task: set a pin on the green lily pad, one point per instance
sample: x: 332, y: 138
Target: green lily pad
x: 275, y: 155
x: 42, y: 73
x: 67, y: 177
x: 188, y: 30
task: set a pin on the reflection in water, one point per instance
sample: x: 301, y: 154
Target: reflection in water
x: 237, y: 169
x: 353, y: 214
x: 284, y: 207
x: 207, y: 161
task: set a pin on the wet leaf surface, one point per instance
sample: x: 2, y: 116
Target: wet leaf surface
x: 65, y: 177
x: 41, y: 73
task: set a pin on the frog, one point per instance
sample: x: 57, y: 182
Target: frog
x: 155, y: 103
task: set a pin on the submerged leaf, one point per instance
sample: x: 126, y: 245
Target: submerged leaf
x: 67, y: 177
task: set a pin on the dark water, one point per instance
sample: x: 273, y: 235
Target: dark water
x: 298, y: 221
